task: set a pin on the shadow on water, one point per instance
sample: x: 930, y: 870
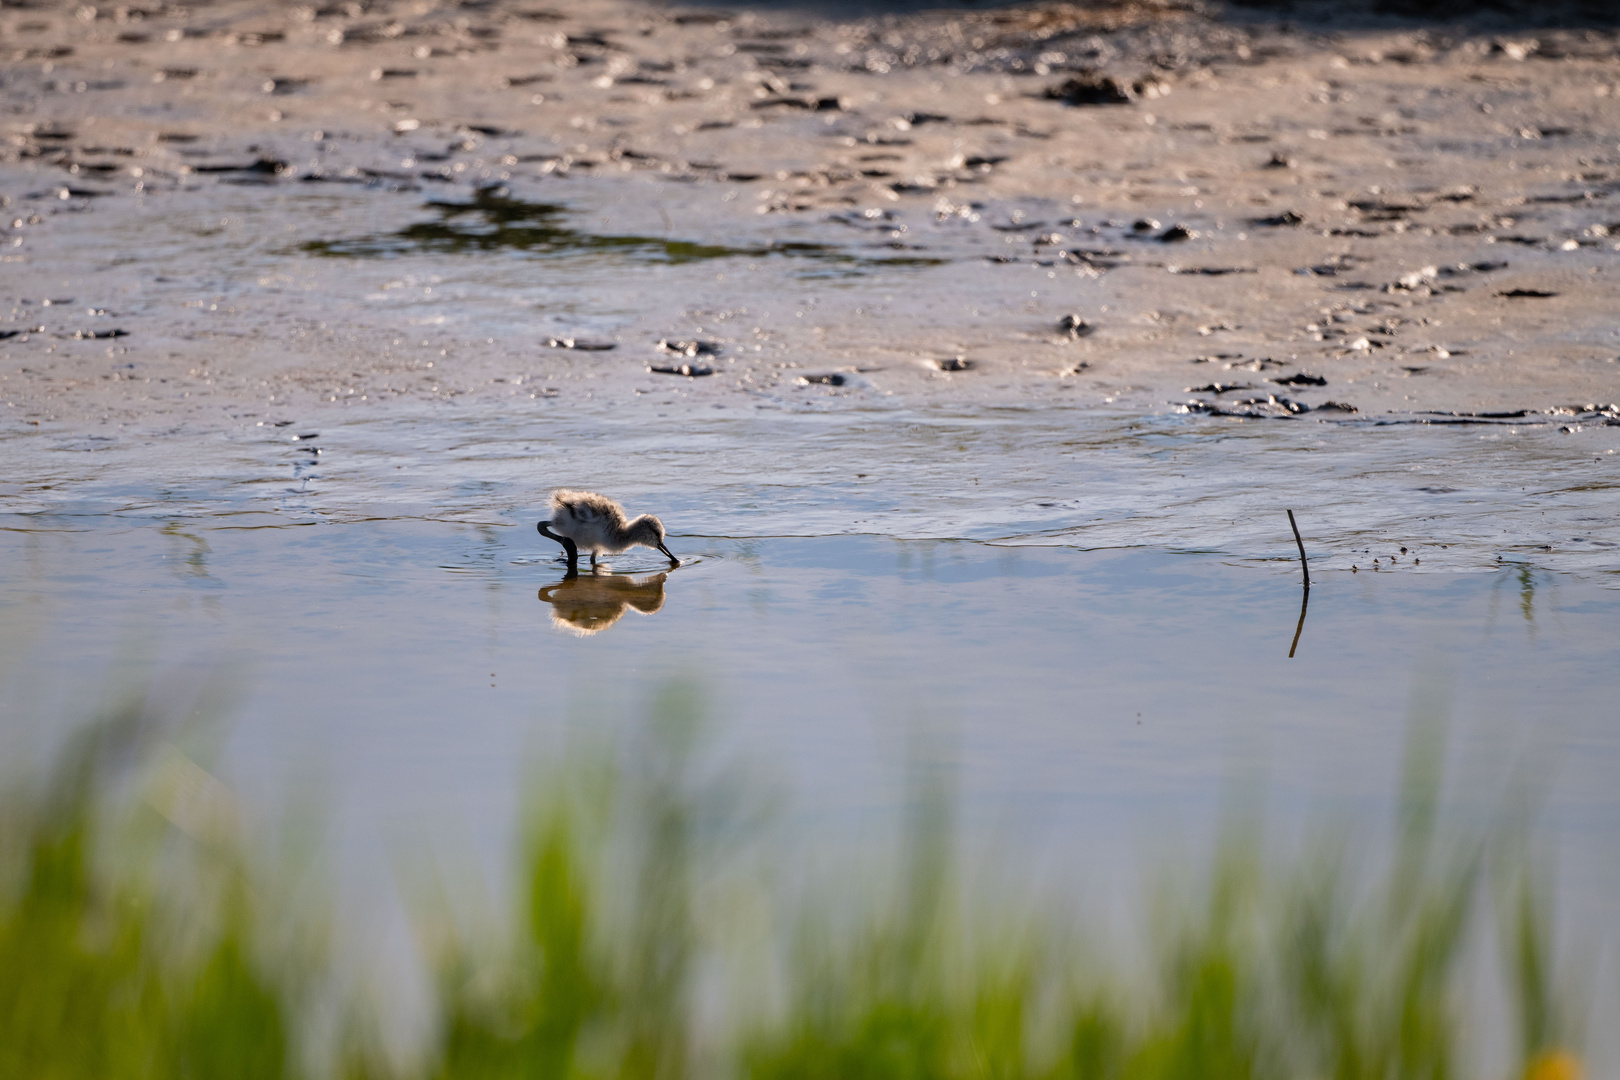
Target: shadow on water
x: 586, y: 604
x: 495, y: 221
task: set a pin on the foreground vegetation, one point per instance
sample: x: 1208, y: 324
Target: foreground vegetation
x: 139, y: 937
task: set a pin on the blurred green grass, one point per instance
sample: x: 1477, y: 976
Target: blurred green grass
x: 138, y: 938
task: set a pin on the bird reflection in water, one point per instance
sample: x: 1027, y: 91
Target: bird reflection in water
x: 586, y: 604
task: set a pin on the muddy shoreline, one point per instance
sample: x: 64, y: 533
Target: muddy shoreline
x: 230, y: 221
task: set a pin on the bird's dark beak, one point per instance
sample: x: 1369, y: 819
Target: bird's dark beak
x: 673, y: 561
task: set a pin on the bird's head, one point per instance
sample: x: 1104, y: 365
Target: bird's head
x: 649, y: 531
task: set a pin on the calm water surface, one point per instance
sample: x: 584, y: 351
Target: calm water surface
x: 1096, y: 707
x: 1081, y: 691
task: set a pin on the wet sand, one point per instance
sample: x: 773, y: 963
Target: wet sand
x: 235, y: 224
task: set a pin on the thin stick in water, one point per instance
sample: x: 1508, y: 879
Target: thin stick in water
x: 1304, y: 566
x: 1305, y: 594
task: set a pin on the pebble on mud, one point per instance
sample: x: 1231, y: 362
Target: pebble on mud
x: 1091, y: 88
x: 691, y: 371
x: 953, y: 363
x: 1074, y: 326
x: 580, y: 345
x: 1286, y: 219
x: 688, y: 348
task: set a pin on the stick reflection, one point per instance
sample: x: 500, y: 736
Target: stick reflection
x: 1304, y: 602
x: 586, y: 604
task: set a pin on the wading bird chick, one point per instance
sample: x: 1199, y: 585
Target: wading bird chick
x: 584, y: 519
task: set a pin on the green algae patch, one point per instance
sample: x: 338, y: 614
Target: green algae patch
x: 494, y: 221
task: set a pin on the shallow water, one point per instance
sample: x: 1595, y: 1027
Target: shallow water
x: 1456, y: 498
x: 1092, y: 698
x: 1099, y: 711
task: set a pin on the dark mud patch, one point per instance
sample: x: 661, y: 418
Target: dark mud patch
x: 580, y: 344
x: 1270, y: 407
x: 1219, y: 388
x: 1090, y: 88
x: 493, y: 220
x: 1212, y: 271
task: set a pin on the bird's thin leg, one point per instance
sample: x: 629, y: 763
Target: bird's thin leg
x: 593, y: 558
x: 568, y: 545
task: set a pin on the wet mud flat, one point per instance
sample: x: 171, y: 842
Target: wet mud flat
x: 230, y: 223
